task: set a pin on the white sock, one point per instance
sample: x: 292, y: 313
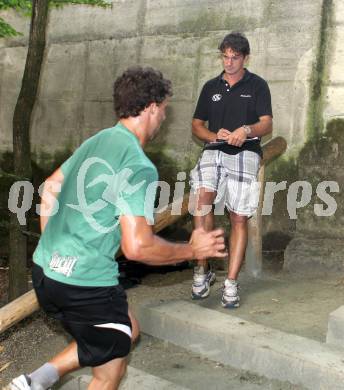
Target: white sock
x: 44, y: 377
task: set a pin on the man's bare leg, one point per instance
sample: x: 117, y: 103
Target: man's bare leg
x: 108, y: 376
x: 237, y: 247
x: 204, y: 200
x: 67, y: 360
x: 203, y: 217
x: 237, y: 244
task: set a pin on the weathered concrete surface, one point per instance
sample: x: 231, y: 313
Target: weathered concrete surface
x: 89, y: 46
x: 134, y: 379
x: 231, y: 340
x: 335, y: 332
x: 314, y: 256
x: 318, y: 245
x: 334, y: 99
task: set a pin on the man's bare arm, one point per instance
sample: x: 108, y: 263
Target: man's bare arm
x: 52, y: 187
x: 201, y: 132
x: 259, y: 129
x: 204, y: 134
x: 262, y: 127
x: 141, y: 244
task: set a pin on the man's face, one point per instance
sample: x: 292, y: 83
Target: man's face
x: 158, y: 116
x: 233, y: 62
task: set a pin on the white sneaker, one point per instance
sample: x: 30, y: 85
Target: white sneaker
x: 230, y: 297
x: 201, y: 283
x: 22, y: 382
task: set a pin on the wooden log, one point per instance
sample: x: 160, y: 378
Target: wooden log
x: 18, y: 309
x: 273, y: 149
x: 26, y: 304
x: 254, y: 255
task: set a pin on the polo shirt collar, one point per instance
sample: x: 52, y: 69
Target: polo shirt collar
x: 246, y: 77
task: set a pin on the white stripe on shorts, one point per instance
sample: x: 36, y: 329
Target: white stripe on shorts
x: 123, y: 328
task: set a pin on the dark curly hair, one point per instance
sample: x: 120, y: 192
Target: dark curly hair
x: 237, y: 42
x: 137, y: 88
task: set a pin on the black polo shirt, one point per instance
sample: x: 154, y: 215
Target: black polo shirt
x: 228, y: 107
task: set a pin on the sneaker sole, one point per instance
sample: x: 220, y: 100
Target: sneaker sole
x: 201, y: 295
x: 229, y: 305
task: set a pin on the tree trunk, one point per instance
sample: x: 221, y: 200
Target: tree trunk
x: 21, y: 140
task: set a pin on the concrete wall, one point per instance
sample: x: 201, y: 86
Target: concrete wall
x: 334, y: 97
x: 89, y: 46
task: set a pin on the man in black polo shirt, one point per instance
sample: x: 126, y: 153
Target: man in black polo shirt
x: 237, y: 106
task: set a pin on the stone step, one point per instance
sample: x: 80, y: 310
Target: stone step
x: 245, y: 345
x: 335, y: 331
x: 134, y: 379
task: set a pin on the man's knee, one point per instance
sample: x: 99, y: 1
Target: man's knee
x: 238, y: 220
x: 202, y: 201
x: 110, y: 373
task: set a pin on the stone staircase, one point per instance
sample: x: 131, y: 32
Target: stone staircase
x: 230, y: 340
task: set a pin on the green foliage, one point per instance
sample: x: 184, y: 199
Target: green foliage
x: 6, y: 30
x: 25, y: 7
x: 19, y: 5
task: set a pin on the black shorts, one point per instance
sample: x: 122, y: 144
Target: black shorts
x: 82, y: 310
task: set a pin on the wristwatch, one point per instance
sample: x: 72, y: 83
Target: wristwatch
x: 247, y: 129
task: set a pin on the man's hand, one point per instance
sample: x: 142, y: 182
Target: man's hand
x: 207, y: 244
x: 223, y: 134
x: 237, y: 137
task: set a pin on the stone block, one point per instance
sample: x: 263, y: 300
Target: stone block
x: 304, y: 14
x: 337, y: 61
x: 134, y: 379
x: 339, y: 12
x: 286, y: 121
x: 314, y: 256
x: 334, y: 101
x: 97, y: 116
x: 106, y: 60
x: 182, y: 16
x: 81, y: 22
x: 64, y: 72
x: 52, y: 117
x: 176, y: 58
x: 242, y: 344
x: 12, y: 62
x: 335, y: 331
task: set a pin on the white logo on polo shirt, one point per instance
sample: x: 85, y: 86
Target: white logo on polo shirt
x: 246, y: 96
x: 217, y: 97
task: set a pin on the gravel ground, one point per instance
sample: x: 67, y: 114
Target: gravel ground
x: 272, y: 301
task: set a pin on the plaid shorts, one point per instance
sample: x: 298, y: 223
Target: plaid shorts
x: 233, y: 177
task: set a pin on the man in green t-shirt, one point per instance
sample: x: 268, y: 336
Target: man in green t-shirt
x: 100, y: 199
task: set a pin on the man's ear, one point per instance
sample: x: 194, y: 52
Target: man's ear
x: 152, y: 107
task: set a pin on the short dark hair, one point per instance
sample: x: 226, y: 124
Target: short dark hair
x: 237, y: 42
x: 137, y: 88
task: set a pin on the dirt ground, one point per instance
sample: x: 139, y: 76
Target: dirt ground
x: 279, y: 300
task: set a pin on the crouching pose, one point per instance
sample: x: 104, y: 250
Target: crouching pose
x: 103, y: 198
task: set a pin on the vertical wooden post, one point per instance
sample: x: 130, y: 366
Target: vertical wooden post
x: 254, y: 255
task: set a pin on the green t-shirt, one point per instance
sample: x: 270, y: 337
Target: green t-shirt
x: 107, y: 176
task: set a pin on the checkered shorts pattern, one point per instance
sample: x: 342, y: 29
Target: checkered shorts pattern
x: 233, y: 177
